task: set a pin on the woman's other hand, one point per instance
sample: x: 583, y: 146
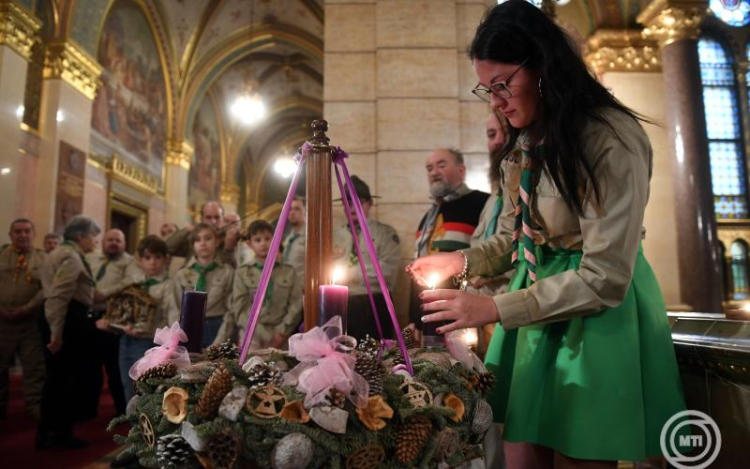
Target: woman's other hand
x: 436, y: 267
x: 464, y: 309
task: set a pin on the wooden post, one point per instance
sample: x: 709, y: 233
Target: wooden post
x: 319, y: 225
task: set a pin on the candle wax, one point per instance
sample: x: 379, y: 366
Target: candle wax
x: 193, y: 318
x: 332, y: 301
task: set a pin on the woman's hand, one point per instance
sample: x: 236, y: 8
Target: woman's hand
x: 464, y: 309
x: 436, y: 267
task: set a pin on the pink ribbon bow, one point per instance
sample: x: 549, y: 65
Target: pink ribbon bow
x: 169, y: 351
x: 326, y: 363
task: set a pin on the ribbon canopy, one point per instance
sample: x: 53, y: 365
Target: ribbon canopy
x: 168, y: 351
x: 326, y: 362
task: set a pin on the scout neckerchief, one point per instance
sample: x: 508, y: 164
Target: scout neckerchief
x: 492, y: 225
x: 269, y: 291
x: 523, y: 223
x: 86, y: 264
x: 430, y: 220
x: 200, y: 285
x: 149, y: 282
x: 22, y: 265
x: 102, y: 269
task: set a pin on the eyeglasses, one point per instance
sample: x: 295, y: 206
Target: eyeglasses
x: 499, y: 89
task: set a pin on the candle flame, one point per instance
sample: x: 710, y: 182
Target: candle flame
x: 469, y: 336
x: 432, y: 281
x: 338, y: 275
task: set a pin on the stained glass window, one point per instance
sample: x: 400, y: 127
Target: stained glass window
x: 728, y: 178
x: 733, y: 12
x: 740, y: 287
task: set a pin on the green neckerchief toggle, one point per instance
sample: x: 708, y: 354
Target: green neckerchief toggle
x: 202, y: 272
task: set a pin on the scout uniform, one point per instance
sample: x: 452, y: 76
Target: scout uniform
x: 294, y: 252
x: 584, y: 321
x: 281, y: 310
x: 68, y: 294
x: 21, y: 288
x: 111, y: 276
x: 133, y: 348
x: 388, y: 248
x: 216, y: 280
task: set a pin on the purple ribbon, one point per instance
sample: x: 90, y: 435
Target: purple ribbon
x: 265, y: 277
x: 339, y: 157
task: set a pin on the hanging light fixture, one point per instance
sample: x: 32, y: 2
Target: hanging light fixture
x: 248, y: 107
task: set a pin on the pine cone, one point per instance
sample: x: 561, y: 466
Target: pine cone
x: 412, y: 438
x: 165, y: 370
x: 483, y: 382
x: 368, y: 345
x: 371, y: 370
x: 336, y: 398
x: 263, y: 374
x: 224, y: 350
x: 219, y: 384
x: 173, y: 452
x: 409, y: 340
x: 224, y: 449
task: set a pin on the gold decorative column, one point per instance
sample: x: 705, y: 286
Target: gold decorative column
x: 71, y: 79
x: 675, y: 25
x: 18, y: 29
x: 230, y: 196
x: 612, y: 50
x: 179, y: 156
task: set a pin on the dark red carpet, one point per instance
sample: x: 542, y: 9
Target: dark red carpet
x: 18, y: 430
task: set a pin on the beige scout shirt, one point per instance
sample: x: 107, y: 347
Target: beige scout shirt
x: 282, y: 306
x: 608, y: 234
x: 387, y: 245
x: 118, y: 272
x: 161, y: 292
x: 496, y: 284
x: 21, y: 286
x: 218, y: 287
x: 294, y: 252
x: 65, y: 277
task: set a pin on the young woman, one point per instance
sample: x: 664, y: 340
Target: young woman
x: 586, y: 368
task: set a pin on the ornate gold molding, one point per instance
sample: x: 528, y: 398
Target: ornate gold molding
x: 133, y: 176
x: 179, y: 154
x: 68, y: 61
x: 668, y: 21
x: 622, y: 51
x: 230, y: 192
x: 18, y: 28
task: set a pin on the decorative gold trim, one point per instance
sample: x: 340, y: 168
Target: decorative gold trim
x: 132, y: 176
x: 129, y: 207
x: 230, y: 192
x: 18, y: 28
x: 668, y: 21
x: 622, y: 51
x: 179, y: 154
x: 95, y: 163
x: 68, y: 61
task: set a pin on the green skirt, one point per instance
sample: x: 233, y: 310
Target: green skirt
x: 597, y: 387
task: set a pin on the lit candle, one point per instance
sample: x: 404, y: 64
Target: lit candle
x: 333, y: 300
x: 470, y: 337
x: 430, y: 337
x: 193, y: 318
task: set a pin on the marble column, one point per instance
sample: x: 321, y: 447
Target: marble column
x: 19, y: 34
x: 675, y: 25
x: 177, y: 168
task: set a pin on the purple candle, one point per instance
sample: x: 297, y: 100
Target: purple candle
x: 192, y: 318
x: 332, y: 301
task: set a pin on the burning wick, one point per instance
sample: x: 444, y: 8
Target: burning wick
x: 338, y: 274
x: 432, y: 281
x: 469, y: 337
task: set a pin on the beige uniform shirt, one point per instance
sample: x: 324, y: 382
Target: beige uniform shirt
x: 118, y: 272
x: 161, y: 292
x: 387, y: 246
x: 281, y: 310
x: 294, y: 252
x: 609, y: 233
x: 218, y: 287
x: 495, y: 284
x: 65, y: 277
x: 21, y: 285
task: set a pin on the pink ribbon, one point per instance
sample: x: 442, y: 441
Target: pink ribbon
x: 339, y: 157
x: 326, y: 363
x: 265, y: 277
x: 169, y: 351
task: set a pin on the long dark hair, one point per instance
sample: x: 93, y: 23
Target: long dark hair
x: 515, y: 31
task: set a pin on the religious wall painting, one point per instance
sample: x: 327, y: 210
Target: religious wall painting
x: 130, y: 110
x: 205, y: 170
x: 70, y: 177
